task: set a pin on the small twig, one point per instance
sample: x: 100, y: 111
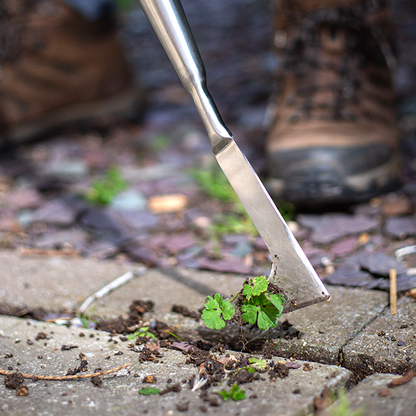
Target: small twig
x: 115, y: 284
x: 393, y: 291
x: 62, y: 378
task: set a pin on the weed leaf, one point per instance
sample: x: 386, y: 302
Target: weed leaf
x: 250, y: 313
x: 236, y: 393
x: 149, y: 390
x: 259, y: 364
x: 257, y: 287
x: 217, y: 311
x: 278, y: 301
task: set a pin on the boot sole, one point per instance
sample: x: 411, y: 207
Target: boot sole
x: 315, y: 185
x: 126, y: 105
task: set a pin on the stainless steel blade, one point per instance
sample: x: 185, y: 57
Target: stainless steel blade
x: 291, y: 270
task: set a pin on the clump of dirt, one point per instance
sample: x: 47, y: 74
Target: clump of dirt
x: 127, y: 325
x: 41, y: 335
x: 150, y: 353
x: 37, y: 314
x: 249, y: 338
x: 174, y: 388
x: 15, y: 381
x: 96, y: 381
x: 184, y: 311
x: 82, y: 367
x: 278, y: 370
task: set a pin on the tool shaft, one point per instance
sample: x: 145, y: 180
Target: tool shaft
x: 169, y: 22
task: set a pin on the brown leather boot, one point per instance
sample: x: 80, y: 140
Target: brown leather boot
x: 334, y: 138
x: 58, y: 68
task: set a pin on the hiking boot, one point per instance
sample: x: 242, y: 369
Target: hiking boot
x: 334, y: 138
x: 57, y: 68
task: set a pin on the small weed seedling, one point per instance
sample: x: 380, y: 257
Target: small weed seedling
x: 254, y: 365
x: 342, y: 407
x: 86, y: 319
x: 236, y: 393
x: 141, y: 332
x: 257, y: 364
x: 103, y: 190
x: 149, y: 390
x: 258, y: 306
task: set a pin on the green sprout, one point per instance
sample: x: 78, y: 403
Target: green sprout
x: 257, y: 364
x: 342, y: 407
x: 258, y: 306
x: 149, y: 390
x: 215, y: 184
x: 142, y: 332
x: 103, y: 190
x: 86, y: 319
x: 236, y: 393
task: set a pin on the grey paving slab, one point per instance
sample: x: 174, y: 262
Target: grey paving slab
x: 119, y: 394
x: 328, y: 326
x: 166, y: 288
x: 387, y: 345
x: 54, y: 283
x: 374, y: 398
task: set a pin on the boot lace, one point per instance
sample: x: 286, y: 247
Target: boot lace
x: 13, y: 30
x: 363, y: 44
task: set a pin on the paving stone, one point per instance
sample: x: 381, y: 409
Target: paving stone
x: 55, y: 212
x: 373, y: 397
x: 378, y: 264
x: 138, y: 220
x: 129, y: 200
x: 72, y: 170
x: 74, y: 237
x: 100, y: 219
x: 119, y: 393
x: 376, y: 349
x: 400, y: 227
x: 350, y: 276
x: 330, y: 227
x: 54, y: 283
x: 327, y: 327
x: 230, y: 264
x: 173, y: 286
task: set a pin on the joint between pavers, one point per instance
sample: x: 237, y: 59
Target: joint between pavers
x: 173, y: 273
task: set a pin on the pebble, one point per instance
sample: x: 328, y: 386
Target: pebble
x: 71, y: 170
x: 129, y: 200
x: 401, y: 227
x: 55, y: 212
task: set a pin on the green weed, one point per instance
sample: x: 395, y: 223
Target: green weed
x: 104, y: 189
x: 236, y: 393
x: 215, y: 184
x: 258, y: 306
x: 342, y: 407
x: 142, y: 332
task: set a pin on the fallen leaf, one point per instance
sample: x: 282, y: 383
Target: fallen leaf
x: 153, y: 346
x: 292, y: 365
x: 181, y: 346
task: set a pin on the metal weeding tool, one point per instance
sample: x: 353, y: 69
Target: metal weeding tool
x: 291, y: 270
